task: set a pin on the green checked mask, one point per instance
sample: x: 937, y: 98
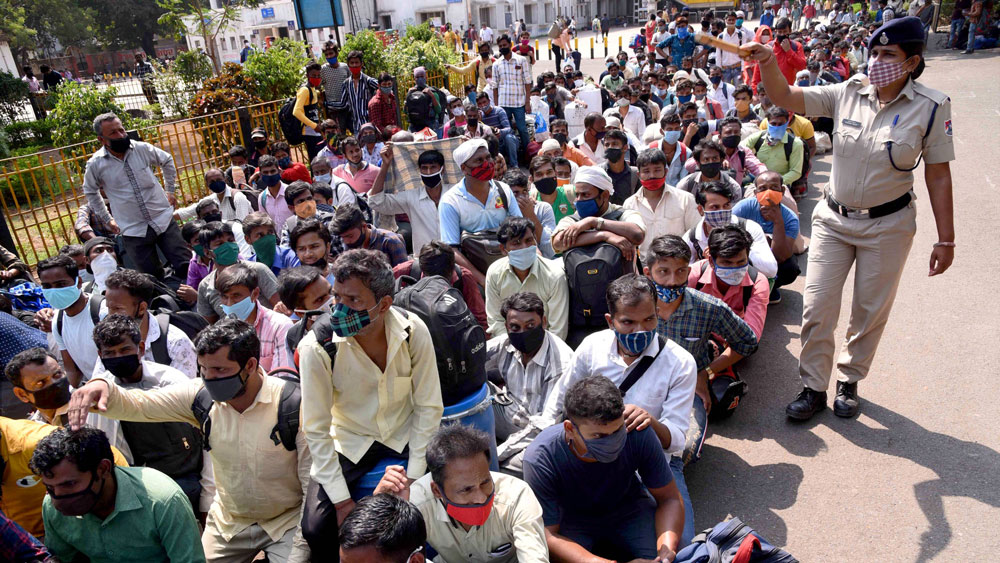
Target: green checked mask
x: 347, y: 322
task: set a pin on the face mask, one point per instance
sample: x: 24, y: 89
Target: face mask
x: 578, y: 83
x: 315, y: 82
x: 561, y: 137
x: 472, y: 122
x: 700, y: 97
x: 731, y: 141
x: 587, y: 207
x: 606, y: 449
x: 324, y: 178
x: 241, y: 309
x: 776, y: 132
x: 305, y: 209
x: 882, y: 73
x: 212, y: 217
x: 523, y: 258
x: 614, y: 155
x: 225, y: 389
x: 53, y: 396
x: 260, y: 144
x: 469, y: 514
x: 421, y: 81
x: 546, y: 186
x: 653, y: 184
x: 716, y: 80
x: 671, y: 137
x: 198, y: 249
x: 780, y: 38
x: 739, y: 23
x: 78, y: 503
x: 355, y: 70
x: 217, y: 186
x: 123, y: 367
x: 684, y: 99
x: 385, y: 90
x: 483, y: 172
x: 285, y: 161
x: 266, y: 247
x: 347, y: 322
x: 803, y: 82
x: 484, y: 54
x: 524, y: 42
x: 600, y: 134
x: 504, y: 51
x: 457, y: 111
x: 682, y: 33
x: 769, y: 198
x: 644, y: 97
x: 718, y: 217
x: 120, y: 145
x: 61, y: 297
x: 742, y: 105
x: 710, y: 169
x: 331, y: 60
x: 634, y: 343
x: 669, y: 294
x: 731, y: 276
x: 226, y: 253
x: 527, y: 341
x: 622, y: 103
x: 431, y: 180
x: 367, y: 139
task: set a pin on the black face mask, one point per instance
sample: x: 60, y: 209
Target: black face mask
x: 685, y: 123
x: 546, y: 186
x: 320, y: 264
x: 473, y: 123
x: 432, y: 180
x: 123, y: 367
x: 710, y: 169
x: 780, y: 38
x: 561, y: 137
x: 484, y: 54
x: 614, y: 155
x: 120, y: 145
x: 731, y: 141
x: 80, y: 502
x: 644, y: 97
x: 260, y: 144
x: 53, y: 396
x: 504, y: 51
x: 527, y: 341
x: 212, y: 217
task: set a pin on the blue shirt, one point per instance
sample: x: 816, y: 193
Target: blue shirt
x: 496, y: 119
x: 569, y: 488
x: 749, y: 209
x: 767, y: 19
x: 679, y: 48
x: 284, y: 257
x: 459, y: 211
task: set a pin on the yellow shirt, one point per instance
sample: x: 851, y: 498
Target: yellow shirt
x: 21, y: 491
x: 863, y: 176
x: 513, y: 532
x: 800, y: 126
x: 547, y: 279
x: 305, y: 96
x: 256, y: 480
x: 480, y: 65
x: 348, y: 410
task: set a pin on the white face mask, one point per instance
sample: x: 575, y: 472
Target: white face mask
x: 458, y: 111
x: 578, y: 82
x: 103, y: 266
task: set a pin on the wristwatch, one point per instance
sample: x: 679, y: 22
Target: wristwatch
x: 710, y: 372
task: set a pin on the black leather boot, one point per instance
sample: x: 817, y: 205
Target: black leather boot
x: 806, y: 404
x: 847, y: 403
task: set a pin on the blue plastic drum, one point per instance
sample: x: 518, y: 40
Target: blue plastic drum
x: 476, y: 411
x: 366, y: 484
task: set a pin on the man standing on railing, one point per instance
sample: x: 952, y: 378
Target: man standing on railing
x: 123, y: 169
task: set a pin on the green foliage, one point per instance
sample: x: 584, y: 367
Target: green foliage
x: 76, y: 106
x: 279, y: 71
x: 172, y: 91
x: 372, y: 49
x: 125, y: 24
x: 4, y: 145
x: 25, y: 184
x: 231, y: 89
x: 28, y: 133
x: 420, y: 46
x: 422, y: 32
x: 206, y: 21
x: 193, y: 67
x: 13, y: 96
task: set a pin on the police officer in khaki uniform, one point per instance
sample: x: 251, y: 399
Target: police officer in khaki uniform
x: 883, y: 125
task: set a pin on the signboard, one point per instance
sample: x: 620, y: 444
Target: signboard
x: 267, y: 13
x: 291, y: 24
x: 454, y: 1
x: 313, y: 14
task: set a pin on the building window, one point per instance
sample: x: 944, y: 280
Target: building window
x: 232, y: 43
x: 222, y: 43
x: 529, y: 13
x: 197, y: 44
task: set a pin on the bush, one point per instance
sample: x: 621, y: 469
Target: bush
x: 371, y: 48
x: 76, y: 106
x: 193, y: 67
x: 409, y: 53
x: 18, y: 181
x: 13, y: 97
x: 279, y: 71
x: 172, y: 92
x: 231, y: 89
x: 29, y: 133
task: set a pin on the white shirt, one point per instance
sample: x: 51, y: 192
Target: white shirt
x: 486, y: 35
x: 634, y: 122
x: 723, y: 94
x: 665, y: 391
x: 598, y: 155
x: 675, y: 213
x: 234, y: 206
x: 739, y: 37
x: 760, y: 251
x: 419, y: 206
x: 76, y: 337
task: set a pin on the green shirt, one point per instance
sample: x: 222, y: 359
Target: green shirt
x: 773, y: 157
x: 612, y: 84
x: 152, y: 521
x: 561, y: 206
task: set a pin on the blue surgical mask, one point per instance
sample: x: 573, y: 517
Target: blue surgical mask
x: 671, y: 137
x: 325, y: 178
x: 739, y: 22
x: 682, y: 33
x: 684, y: 99
x: 732, y: 276
x: 634, y: 343
x: 241, y: 309
x: 61, y: 297
x: 587, y: 207
x: 718, y: 218
x: 777, y: 132
x: 331, y: 60
x: 669, y: 294
x: 606, y: 449
x: 523, y: 258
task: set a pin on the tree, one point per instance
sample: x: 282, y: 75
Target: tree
x: 186, y: 17
x: 279, y: 71
x: 37, y: 24
x: 126, y: 24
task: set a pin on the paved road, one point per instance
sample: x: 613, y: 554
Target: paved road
x: 917, y: 476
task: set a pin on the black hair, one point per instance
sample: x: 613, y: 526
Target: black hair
x: 212, y: 231
x: 591, y: 118
x: 348, y: 142
x: 669, y: 118
x: 540, y: 161
x: 629, y: 290
x: 71, y: 250
x: 451, y: 442
x: 516, y: 177
x: 321, y: 189
x: 558, y: 123
x: 267, y: 160
x: 432, y: 156
x: 623, y: 91
x: 728, y: 241
x: 237, y: 151
x: 239, y: 336
x: 776, y: 111
x: 707, y: 145
x: 718, y: 187
x: 743, y: 89
x: 35, y: 356
x: 911, y: 48
x: 394, y: 527
x: 514, y: 228
x: 348, y: 216
x: 191, y: 229
x: 782, y: 23
x: 138, y: 285
x: 114, y: 329
x: 205, y: 204
x: 56, y: 262
x: 617, y: 135
x: 85, y: 448
x: 504, y: 37
x: 437, y: 258
x: 523, y: 301
x: 687, y: 106
x: 482, y: 95
x: 239, y: 274
x: 651, y: 156
x: 370, y: 267
x: 722, y: 123
x: 594, y: 398
x: 668, y: 246
x: 355, y: 54
x: 306, y: 226
x: 293, y: 281
x: 281, y: 146
x: 294, y: 190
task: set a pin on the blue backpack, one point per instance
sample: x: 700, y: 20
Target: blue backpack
x: 732, y: 541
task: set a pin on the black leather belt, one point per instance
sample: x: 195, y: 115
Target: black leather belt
x: 887, y: 208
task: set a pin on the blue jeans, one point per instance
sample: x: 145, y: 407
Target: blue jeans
x: 956, y: 26
x: 693, y: 440
x: 971, y: 44
x: 508, y: 146
x: 623, y: 534
x: 516, y: 117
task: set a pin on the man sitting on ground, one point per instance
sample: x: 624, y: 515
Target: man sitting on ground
x: 715, y: 205
x: 349, y: 224
x: 664, y: 209
x: 383, y: 528
x: 438, y: 259
x: 240, y: 293
x: 779, y: 223
x: 220, y: 245
x: 597, y: 219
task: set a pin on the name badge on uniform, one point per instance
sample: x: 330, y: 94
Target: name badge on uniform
x: 851, y: 123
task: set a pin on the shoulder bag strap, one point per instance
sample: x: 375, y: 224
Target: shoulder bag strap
x: 644, y: 363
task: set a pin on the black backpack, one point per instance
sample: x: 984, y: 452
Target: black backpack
x: 459, y: 340
x: 291, y: 127
x: 416, y: 273
x: 589, y: 270
x: 286, y: 428
x: 789, y: 146
x: 173, y: 448
x: 418, y: 107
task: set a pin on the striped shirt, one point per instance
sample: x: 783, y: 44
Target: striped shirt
x: 530, y: 385
x: 234, y: 206
x: 698, y: 317
x: 137, y: 199
x: 511, y: 76
x: 356, y: 96
x: 271, y: 329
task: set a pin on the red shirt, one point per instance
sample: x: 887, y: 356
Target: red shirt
x: 382, y: 110
x: 650, y: 27
x: 470, y: 291
x: 297, y: 171
x: 755, y: 312
x: 790, y: 62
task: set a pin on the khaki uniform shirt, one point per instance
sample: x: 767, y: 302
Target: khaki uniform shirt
x: 513, y: 531
x: 862, y: 175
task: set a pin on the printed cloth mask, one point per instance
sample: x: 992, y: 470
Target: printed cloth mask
x: 483, y: 172
x: 776, y: 132
x: 347, y: 322
x: 266, y: 247
x: 732, y: 276
x: 241, y: 309
x: 523, y: 258
x: 882, y: 73
x: 606, y: 449
x: 718, y: 217
x: 634, y: 343
x: 669, y: 294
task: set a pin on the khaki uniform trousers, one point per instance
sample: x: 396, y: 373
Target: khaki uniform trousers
x: 244, y: 546
x: 879, y: 248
